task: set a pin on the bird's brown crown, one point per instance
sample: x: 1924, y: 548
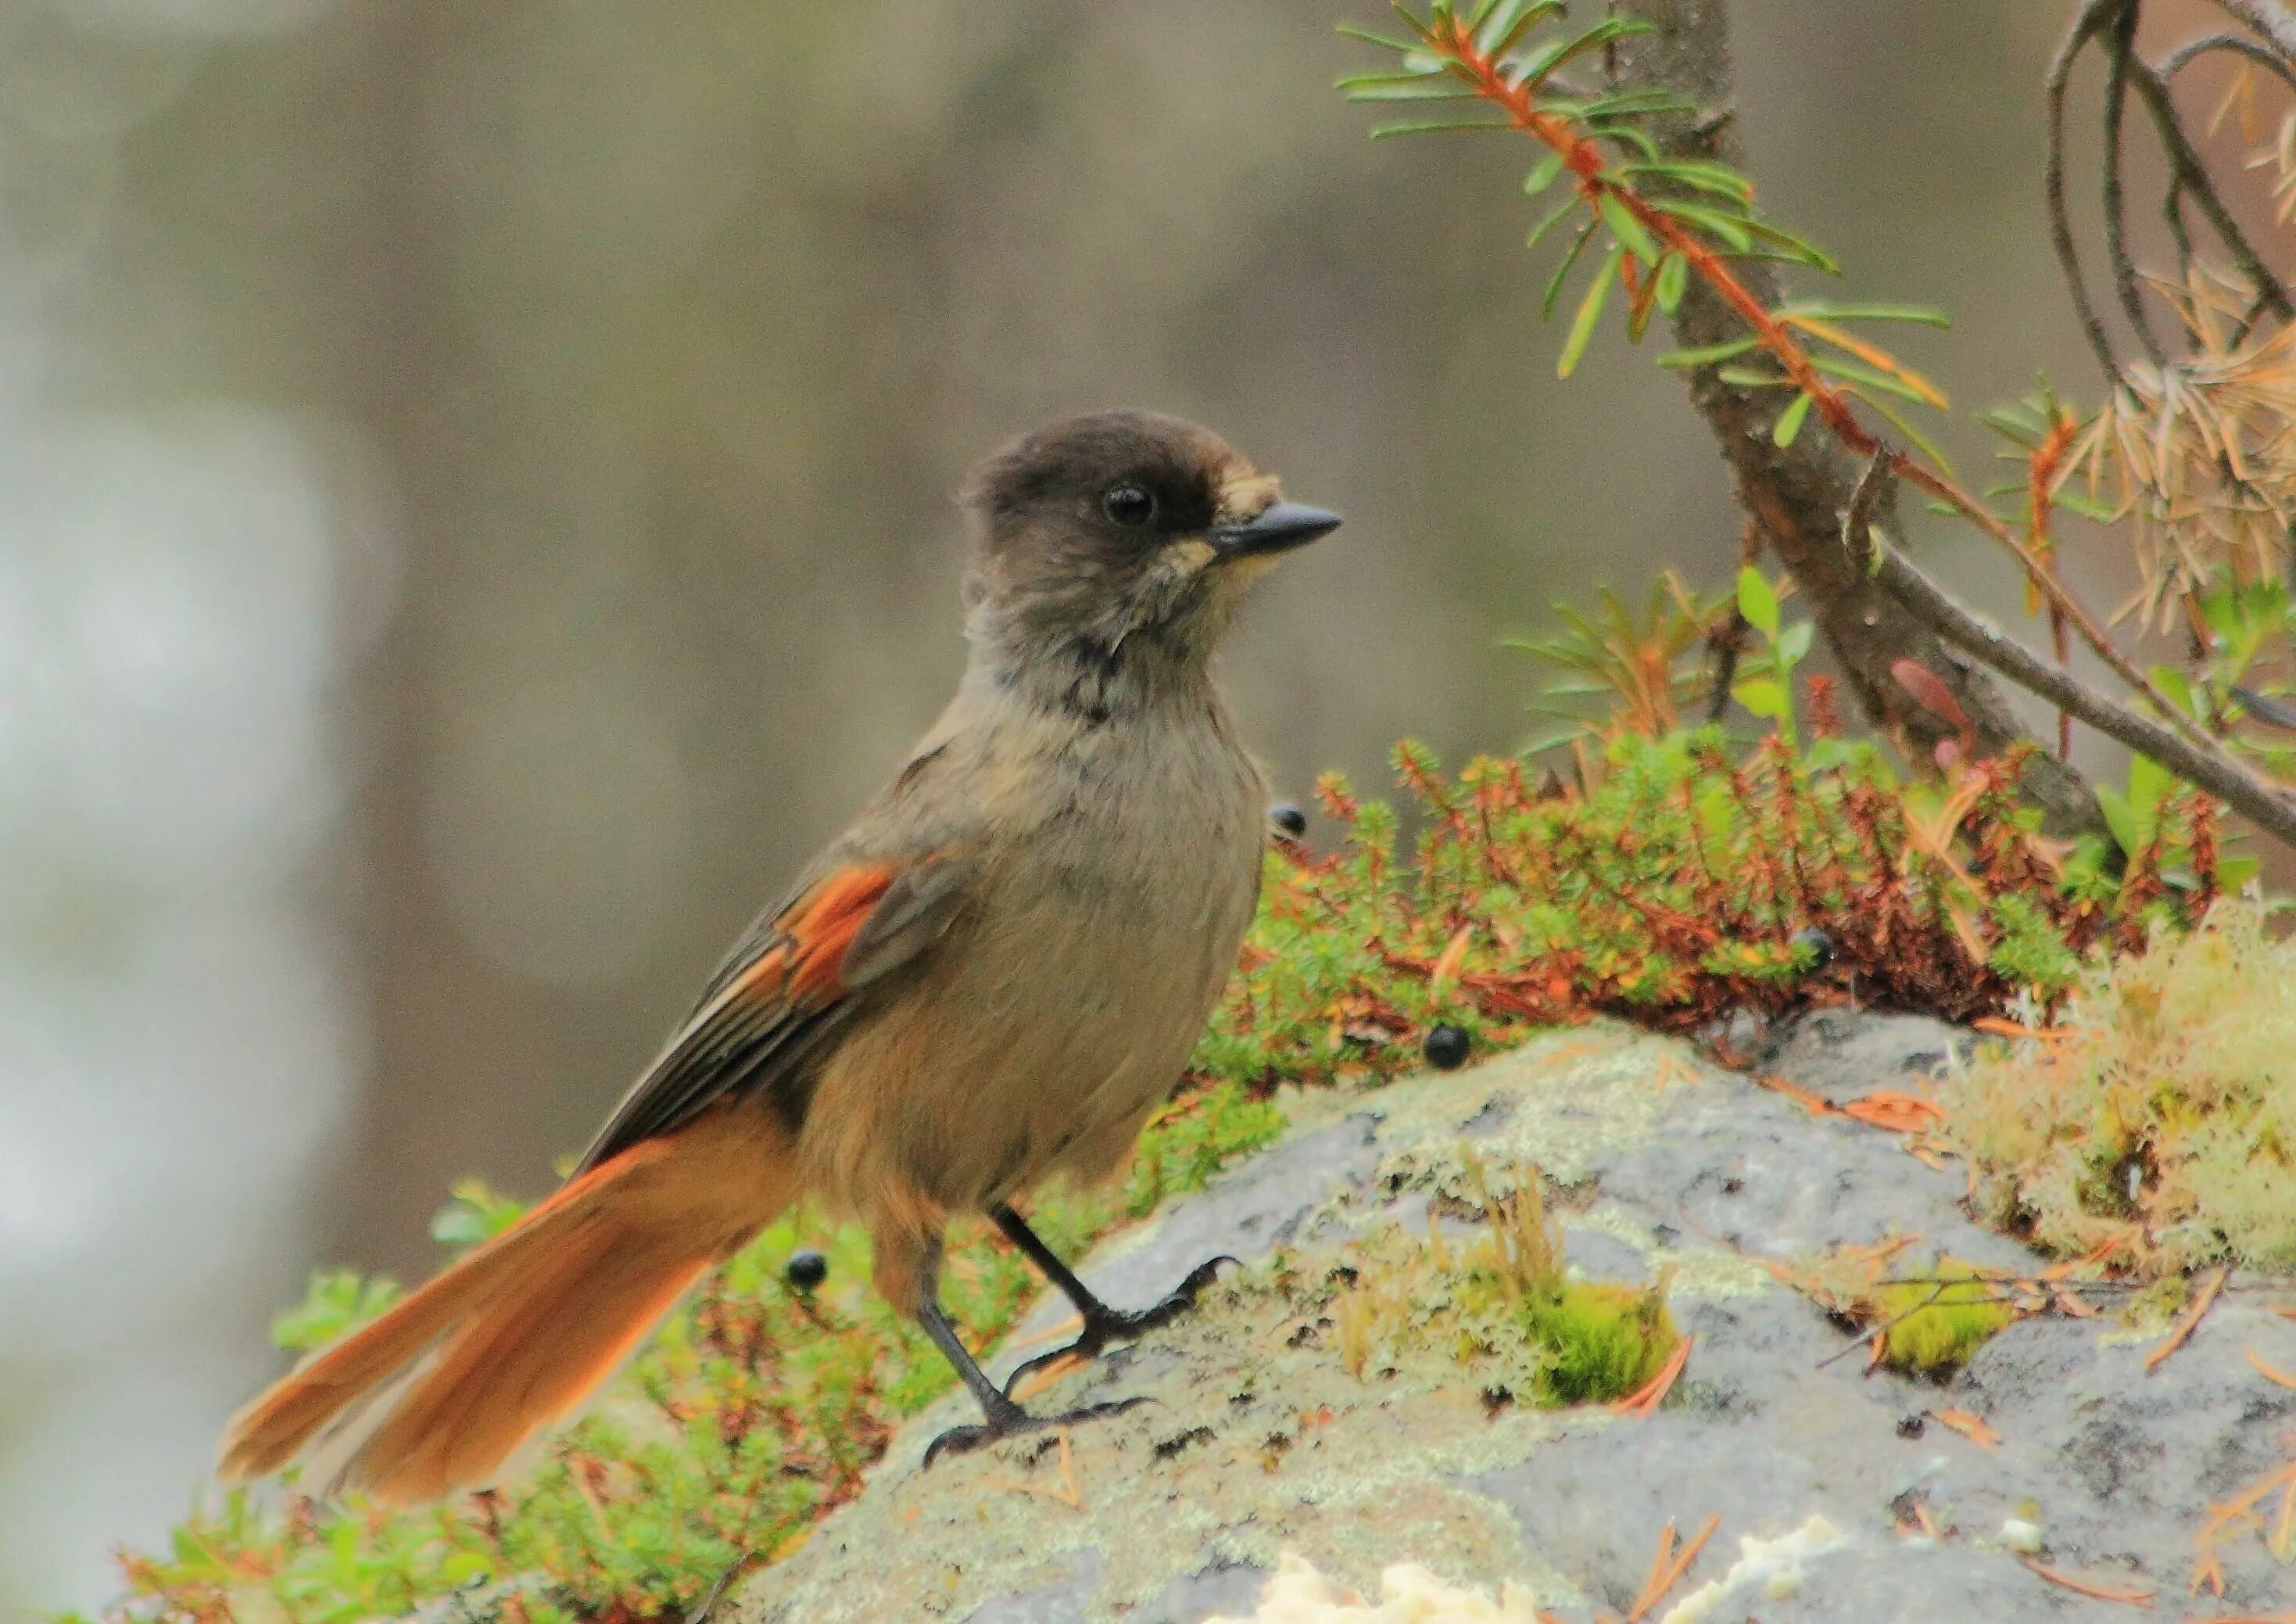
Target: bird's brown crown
x: 1120, y: 529
x: 1067, y: 472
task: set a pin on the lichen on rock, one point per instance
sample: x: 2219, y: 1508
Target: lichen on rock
x: 2159, y: 1113
x: 1408, y: 1594
x: 1260, y: 1440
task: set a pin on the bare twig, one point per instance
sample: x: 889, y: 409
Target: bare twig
x: 2116, y: 20
x: 2185, y: 56
x: 2193, y: 177
x: 1865, y: 501
x: 1727, y: 644
x: 2270, y: 808
x: 2169, y: 67
x: 2119, y: 38
x: 2051, y: 589
x: 2093, y: 15
x: 2172, y: 211
x: 2273, y: 22
x: 708, y: 1602
x: 1880, y: 1334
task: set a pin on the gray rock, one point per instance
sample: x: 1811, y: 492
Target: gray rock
x: 1258, y: 1439
x: 1843, y: 1054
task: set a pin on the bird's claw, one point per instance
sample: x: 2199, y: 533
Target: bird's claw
x: 1014, y: 1421
x: 1118, y: 1326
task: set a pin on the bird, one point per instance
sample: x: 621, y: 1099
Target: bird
x: 992, y: 977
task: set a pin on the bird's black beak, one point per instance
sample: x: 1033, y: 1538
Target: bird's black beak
x: 1278, y: 528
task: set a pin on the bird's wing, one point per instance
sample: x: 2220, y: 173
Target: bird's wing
x: 788, y: 987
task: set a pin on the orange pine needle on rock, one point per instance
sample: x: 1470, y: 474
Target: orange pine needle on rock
x: 1813, y: 1103
x: 2227, y: 1518
x: 1995, y: 1026
x: 1645, y: 1400
x: 1563, y: 1054
x: 2278, y: 1378
x: 1899, y: 1113
x: 2131, y: 1595
x: 1971, y: 1427
x: 1037, y: 1380
x: 1068, y: 1494
x: 2189, y: 1323
x: 1669, y: 1566
x: 2097, y: 1253
x: 1659, y: 1559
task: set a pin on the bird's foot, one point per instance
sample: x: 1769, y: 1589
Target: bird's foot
x: 1009, y: 1419
x: 1104, y: 1325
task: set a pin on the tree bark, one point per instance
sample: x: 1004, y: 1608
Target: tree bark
x: 1797, y: 495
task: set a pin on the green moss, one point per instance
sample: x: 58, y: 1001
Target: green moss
x: 1502, y: 1303
x: 1933, y: 1329
x: 1602, y: 1340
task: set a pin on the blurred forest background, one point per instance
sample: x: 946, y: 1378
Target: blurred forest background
x: 474, y: 514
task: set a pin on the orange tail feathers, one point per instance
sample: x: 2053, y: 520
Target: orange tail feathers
x: 438, y: 1392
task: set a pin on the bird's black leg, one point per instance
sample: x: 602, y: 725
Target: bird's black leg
x: 1101, y: 1324
x: 1000, y: 1416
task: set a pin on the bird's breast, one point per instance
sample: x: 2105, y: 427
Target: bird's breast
x: 1062, y: 1010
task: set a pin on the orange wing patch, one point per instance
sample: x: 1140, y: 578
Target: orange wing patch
x: 816, y: 930
x: 777, y: 989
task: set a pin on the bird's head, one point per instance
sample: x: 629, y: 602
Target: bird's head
x: 1122, y: 536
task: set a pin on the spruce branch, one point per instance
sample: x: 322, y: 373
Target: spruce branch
x: 1683, y: 237
x: 1648, y: 229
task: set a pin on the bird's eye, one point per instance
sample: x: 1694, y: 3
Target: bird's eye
x: 1128, y: 506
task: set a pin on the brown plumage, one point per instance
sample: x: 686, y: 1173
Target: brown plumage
x: 994, y: 975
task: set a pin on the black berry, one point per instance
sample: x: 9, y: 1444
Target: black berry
x: 807, y: 1268
x: 1447, y: 1046
x: 1813, y: 947
x: 1289, y: 820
